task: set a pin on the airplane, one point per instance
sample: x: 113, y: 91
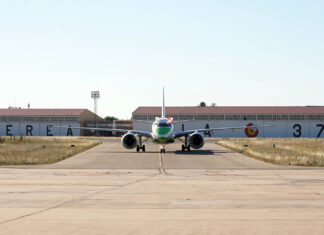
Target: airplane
x: 163, y: 134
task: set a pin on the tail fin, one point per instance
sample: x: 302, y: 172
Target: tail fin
x: 163, y: 107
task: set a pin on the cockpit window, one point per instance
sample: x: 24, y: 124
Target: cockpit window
x: 164, y: 124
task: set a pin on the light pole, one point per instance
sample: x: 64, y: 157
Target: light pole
x: 95, y: 95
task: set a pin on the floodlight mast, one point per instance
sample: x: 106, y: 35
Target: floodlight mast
x: 95, y: 95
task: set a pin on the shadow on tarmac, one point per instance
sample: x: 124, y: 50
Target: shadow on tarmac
x: 195, y: 152
x: 179, y: 152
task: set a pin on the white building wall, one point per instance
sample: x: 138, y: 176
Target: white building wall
x: 38, y: 129
x: 280, y: 129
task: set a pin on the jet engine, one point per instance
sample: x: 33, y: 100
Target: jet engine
x: 129, y: 141
x: 196, y: 140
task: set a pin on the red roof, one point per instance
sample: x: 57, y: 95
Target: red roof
x: 232, y: 110
x: 41, y: 112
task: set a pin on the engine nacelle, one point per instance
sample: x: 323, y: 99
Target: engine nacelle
x: 196, y: 140
x: 129, y: 141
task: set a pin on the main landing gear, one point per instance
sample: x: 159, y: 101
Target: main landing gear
x: 140, y: 146
x: 185, y: 146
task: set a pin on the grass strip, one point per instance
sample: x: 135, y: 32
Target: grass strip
x: 41, y: 150
x: 295, y: 152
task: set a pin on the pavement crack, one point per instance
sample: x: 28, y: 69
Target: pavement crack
x: 77, y: 199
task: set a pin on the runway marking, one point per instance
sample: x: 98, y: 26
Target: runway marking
x: 162, y: 171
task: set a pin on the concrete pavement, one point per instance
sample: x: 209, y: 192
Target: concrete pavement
x: 103, y: 191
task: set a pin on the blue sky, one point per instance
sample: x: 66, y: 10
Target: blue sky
x: 53, y: 53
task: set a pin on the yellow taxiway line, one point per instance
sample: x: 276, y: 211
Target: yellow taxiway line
x: 162, y: 171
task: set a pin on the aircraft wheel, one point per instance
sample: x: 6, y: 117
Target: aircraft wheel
x: 188, y: 148
x: 183, y: 148
x: 137, y: 148
x: 143, y: 148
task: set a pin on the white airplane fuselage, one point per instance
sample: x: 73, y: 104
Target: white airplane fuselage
x: 162, y: 130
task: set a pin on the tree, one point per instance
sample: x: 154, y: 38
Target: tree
x: 202, y: 104
x: 110, y: 118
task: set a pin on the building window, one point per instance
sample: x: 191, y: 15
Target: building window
x: 14, y: 119
x: 140, y: 117
x: 57, y: 119
x: 249, y: 117
x: 151, y: 117
x: 315, y: 117
x: 4, y: 119
x: 230, y: 117
x: 201, y: 117
x: 42, y: 119
x: 186, y: 117
x: 217, y: 117
x: 28, y: 119
x: 261, y: 117
x: 297, y: 117
x: 233, y: 117
x: 284, y: 117
x: 71, y: 119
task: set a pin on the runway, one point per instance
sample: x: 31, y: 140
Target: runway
x: 112, y: 190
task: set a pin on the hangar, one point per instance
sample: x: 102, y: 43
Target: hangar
x: 38, y: 122
x: 287, y: 121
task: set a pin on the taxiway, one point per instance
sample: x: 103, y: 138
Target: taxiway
x: 110, y: 190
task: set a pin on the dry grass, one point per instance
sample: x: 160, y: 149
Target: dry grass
x: 296, y: 152
x: 41, y: 150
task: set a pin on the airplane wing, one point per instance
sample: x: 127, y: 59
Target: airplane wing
x: 188, y: 132
x: 142, y: 133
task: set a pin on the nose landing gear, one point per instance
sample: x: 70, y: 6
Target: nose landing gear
x: 162, y: 150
